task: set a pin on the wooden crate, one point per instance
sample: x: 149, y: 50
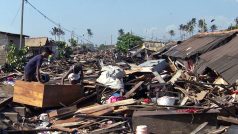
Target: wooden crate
x: 40, y: 95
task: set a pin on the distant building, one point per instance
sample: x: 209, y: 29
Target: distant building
x: 36, y: 45
x: 6, y: 39
x: 153, y: 45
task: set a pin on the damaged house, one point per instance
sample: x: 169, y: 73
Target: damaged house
x: 6, y: 39
x: 187, y: 53
x: 146, y: 49
x: 223, y: 61
x: 39, y: 43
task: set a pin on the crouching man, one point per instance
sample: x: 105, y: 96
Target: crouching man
x: 74, y: 74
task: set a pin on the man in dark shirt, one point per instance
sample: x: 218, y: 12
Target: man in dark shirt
x: 32, y: 68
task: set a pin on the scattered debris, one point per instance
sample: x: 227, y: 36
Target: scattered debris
x: 150, y: 95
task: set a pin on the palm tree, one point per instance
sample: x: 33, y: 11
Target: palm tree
x: 191, y: 25
x: 60, y: 33
x: 186, y: 30
x: 213, y: 28
x: 54, y: 31
x: 121, y: 32
x: 171, y: 33
x: 202, y: 25
x: 236, y: 21
x: 57, y: 32
x: 194, y: 21
x: 181, y: 29
x: 89, y: 32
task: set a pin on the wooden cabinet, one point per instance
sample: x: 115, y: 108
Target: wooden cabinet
x: 40, y: 95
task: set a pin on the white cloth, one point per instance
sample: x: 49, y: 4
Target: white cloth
x: 112, y: 76
x: 73, y: 76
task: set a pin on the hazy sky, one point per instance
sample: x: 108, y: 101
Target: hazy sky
x: 147, y: 18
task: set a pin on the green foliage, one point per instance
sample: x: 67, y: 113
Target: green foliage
x: 127, y: 41
x: 73, y: 42
x: 16, y: 58
x: 63, y: 49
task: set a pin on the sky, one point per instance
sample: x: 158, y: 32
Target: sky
x: 150, y: 19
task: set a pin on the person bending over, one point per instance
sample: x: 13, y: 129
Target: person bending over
x: 74, y: 74
x: 32, y: 68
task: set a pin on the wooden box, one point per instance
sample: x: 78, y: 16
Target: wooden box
x: 40, y: 95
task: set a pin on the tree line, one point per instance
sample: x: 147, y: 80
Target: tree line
x: 186, y: 30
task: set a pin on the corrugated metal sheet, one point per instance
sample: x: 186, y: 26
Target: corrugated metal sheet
x: 230, y: 49
x: 223, y: 60
x: 227, y: 67
x: 198, y: 45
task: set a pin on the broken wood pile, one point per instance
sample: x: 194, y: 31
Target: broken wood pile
x: 151, y: 93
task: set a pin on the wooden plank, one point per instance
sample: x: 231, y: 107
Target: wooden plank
x: 63, y: 111
x: 158, y: 77
x: 103, y: 112
x: 228, y: 119
x: 120, y: 109
x: 136, y: 87
x: 92, y: 122
x: 72, y: 119
x: 5, y: 101
x: 69, y: 124
x: 141, y: 78
x: 184, y: 100
x: 101, y: 130
x: 104, y: 106
x: 176, y: 76
x: 68, y: 130
x: 199, y: 128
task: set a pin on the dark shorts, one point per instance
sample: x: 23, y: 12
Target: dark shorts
x: 30, y: 78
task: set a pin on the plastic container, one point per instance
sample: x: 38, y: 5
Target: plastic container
x: 142, y: 129
x: 166, y: 101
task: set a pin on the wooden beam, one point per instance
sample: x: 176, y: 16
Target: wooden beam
x: 136, y: 87
x: 5, y: 101
x: 176, y: 76
x: 104, y: 106
x: 158, y: 77
x: 63, y: 111
x: 101, y: 130
x: 199, y: 128
x: 228, y: 119
x: 103, y: 112
x: 69, y: 124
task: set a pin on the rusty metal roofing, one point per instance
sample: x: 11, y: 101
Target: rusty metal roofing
x: 198, y: 45
x: 223, y: 60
